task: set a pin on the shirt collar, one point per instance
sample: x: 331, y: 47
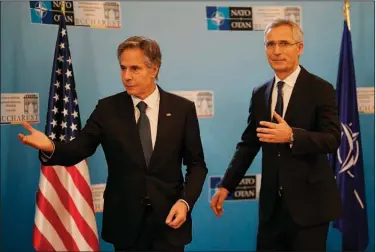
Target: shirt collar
x: 291, y: 79
x: 151, y: 100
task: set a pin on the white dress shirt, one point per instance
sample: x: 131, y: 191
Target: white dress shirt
x: 286, y: 90
x: 152, y: 111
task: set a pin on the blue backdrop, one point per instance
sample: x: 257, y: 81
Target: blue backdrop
x: 230, y: 64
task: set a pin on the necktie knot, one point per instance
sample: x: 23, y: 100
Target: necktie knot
x: 280, y: 85
x: 142, y: 106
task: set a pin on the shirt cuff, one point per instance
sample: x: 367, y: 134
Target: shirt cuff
x: 47, y: 155
x: 185, y: 202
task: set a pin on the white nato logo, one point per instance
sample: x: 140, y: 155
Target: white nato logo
x: 218, y: 18
x: 40, y: 9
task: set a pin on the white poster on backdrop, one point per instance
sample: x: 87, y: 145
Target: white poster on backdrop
x: 263, y: 15
x: 97, y: 190
x: 366, y: 100
x: 19, y: 107
x: 203, y: 99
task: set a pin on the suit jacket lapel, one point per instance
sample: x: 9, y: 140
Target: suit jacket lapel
x: 268, y: 98
x: 163, y: 129
x: 132, y: 139
x: 297, y: 95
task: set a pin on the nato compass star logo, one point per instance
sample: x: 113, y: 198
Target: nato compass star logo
x: 40, y: 9
x: 41, y: 12
x: 348, y: 157
x: 218, y: 18
x: 351, y: 157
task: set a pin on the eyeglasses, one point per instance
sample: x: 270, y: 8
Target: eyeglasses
x: 281, y: 44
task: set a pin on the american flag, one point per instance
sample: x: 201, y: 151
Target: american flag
x: 64, y: 217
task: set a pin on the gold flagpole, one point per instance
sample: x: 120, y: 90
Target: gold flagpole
x: 62, y: 6
x: 346, y: 12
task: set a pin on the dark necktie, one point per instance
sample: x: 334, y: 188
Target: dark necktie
x: 143, y: 125
x: 279, y: 111
x: 279, y: 104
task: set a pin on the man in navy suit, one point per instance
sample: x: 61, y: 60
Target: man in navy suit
x: 146, y: 134
x: 293, y: 118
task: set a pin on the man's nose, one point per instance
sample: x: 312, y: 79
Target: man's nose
x: 127, y: 74
x: 277, y: 50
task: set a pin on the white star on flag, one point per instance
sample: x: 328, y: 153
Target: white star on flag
x: 73, y: 127
x: 75, y: 114
x: 54, y: 110
x: 66, y: 99
x: 65, y: 112
x: 69, y: 73
x: 63, y: 32
x: 54, y: 123
x: 52, y: 136
x: 63, y: 124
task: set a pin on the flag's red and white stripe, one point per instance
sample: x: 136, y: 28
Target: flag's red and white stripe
x: 65, y: 218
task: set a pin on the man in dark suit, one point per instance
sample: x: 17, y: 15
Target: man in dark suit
x: 294, y: 120
x: 146, y: 134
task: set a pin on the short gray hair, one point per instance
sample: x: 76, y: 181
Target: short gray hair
x: 149, y: 47
x: 297, y: 32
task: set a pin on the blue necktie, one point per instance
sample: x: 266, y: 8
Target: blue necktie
x: 143, y: 126
x: 279, y: 105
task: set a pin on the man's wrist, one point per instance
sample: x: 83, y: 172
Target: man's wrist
x: 291, y: 137
x: 186, y: 204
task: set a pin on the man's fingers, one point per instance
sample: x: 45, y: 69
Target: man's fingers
x: 220, y: 201
x: 22, y: 138
x: 278, y: 117
x: 214, y: 203
x: 265, y: 140
x: 27, y: 126
x: 265, y: 136
x: 268, y: 124
x: 177, y: 222
x: 170, y: 216
x: 266, y: 130
x: 219, y: 205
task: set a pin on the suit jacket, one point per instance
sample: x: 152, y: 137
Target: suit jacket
x: 303, y: 170
x: 112, y: 124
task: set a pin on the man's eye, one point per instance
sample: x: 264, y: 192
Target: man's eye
x: 284, y: 43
